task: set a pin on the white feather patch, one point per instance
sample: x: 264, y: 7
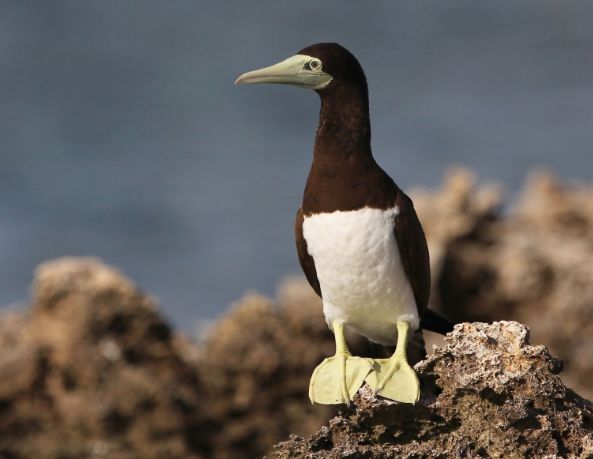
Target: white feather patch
x: 359, y: 268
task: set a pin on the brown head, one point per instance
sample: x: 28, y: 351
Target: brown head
x: 336, y: 75
x: 341, y: 64
x: 323, y: 67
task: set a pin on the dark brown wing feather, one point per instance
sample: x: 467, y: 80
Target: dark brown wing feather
x: 306, y: 260
x: 413, y: 250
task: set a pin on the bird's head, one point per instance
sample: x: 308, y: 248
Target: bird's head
x: 319, y: 67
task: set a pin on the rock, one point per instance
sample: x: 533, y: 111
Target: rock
x: 93, y: 370
x: 486, y: 393
x: 255, y: 364
x: 531, y: 264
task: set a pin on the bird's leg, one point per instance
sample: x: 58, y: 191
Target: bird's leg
x: 338, y: 378
x: 394, y: 378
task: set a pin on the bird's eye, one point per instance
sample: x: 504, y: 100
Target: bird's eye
x: 314, y: 65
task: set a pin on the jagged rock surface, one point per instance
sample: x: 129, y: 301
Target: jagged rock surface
x: 532, y: 264
x: 486, y: 393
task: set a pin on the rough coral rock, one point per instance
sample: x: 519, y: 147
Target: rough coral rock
x: 486, y: 393
x: 531, y: 263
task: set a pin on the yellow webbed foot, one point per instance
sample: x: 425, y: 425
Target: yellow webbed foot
x: 394, y: 378
x: 337, y: 379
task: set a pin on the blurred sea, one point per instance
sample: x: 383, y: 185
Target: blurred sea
x: 122, y: 135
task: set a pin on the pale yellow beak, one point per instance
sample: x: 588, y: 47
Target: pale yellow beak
x: 292, y: 71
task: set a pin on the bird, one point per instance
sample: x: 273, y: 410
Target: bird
x: 359, y: 240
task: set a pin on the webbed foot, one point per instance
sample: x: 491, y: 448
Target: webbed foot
x: 394, y: 378
x: 338, y: 378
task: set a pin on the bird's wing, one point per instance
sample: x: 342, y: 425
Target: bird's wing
x: 413, y: 250
x: 306, y: 260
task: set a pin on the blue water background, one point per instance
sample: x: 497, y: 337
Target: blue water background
x: 122, y: 135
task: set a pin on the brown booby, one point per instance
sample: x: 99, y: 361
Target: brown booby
x: 358, y: 237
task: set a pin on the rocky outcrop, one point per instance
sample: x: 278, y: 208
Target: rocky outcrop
x: 486, y: 393
x: 93, y: 370
x: 531, y: 263
x: 255, y: 365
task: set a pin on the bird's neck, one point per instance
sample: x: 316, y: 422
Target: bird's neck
x: 344, y: 127
x: 344, y: 174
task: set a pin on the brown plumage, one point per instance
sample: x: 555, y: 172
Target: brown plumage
x: 344, y: 175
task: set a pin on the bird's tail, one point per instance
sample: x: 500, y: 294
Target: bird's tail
x: 435, y: 322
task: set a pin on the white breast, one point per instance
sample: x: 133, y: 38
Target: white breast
x: 359, y: 268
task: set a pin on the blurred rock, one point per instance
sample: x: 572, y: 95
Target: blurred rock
x: 256, y: 363
x: 92, y: 370
x: 486, y: 393
x: 533, y: 264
